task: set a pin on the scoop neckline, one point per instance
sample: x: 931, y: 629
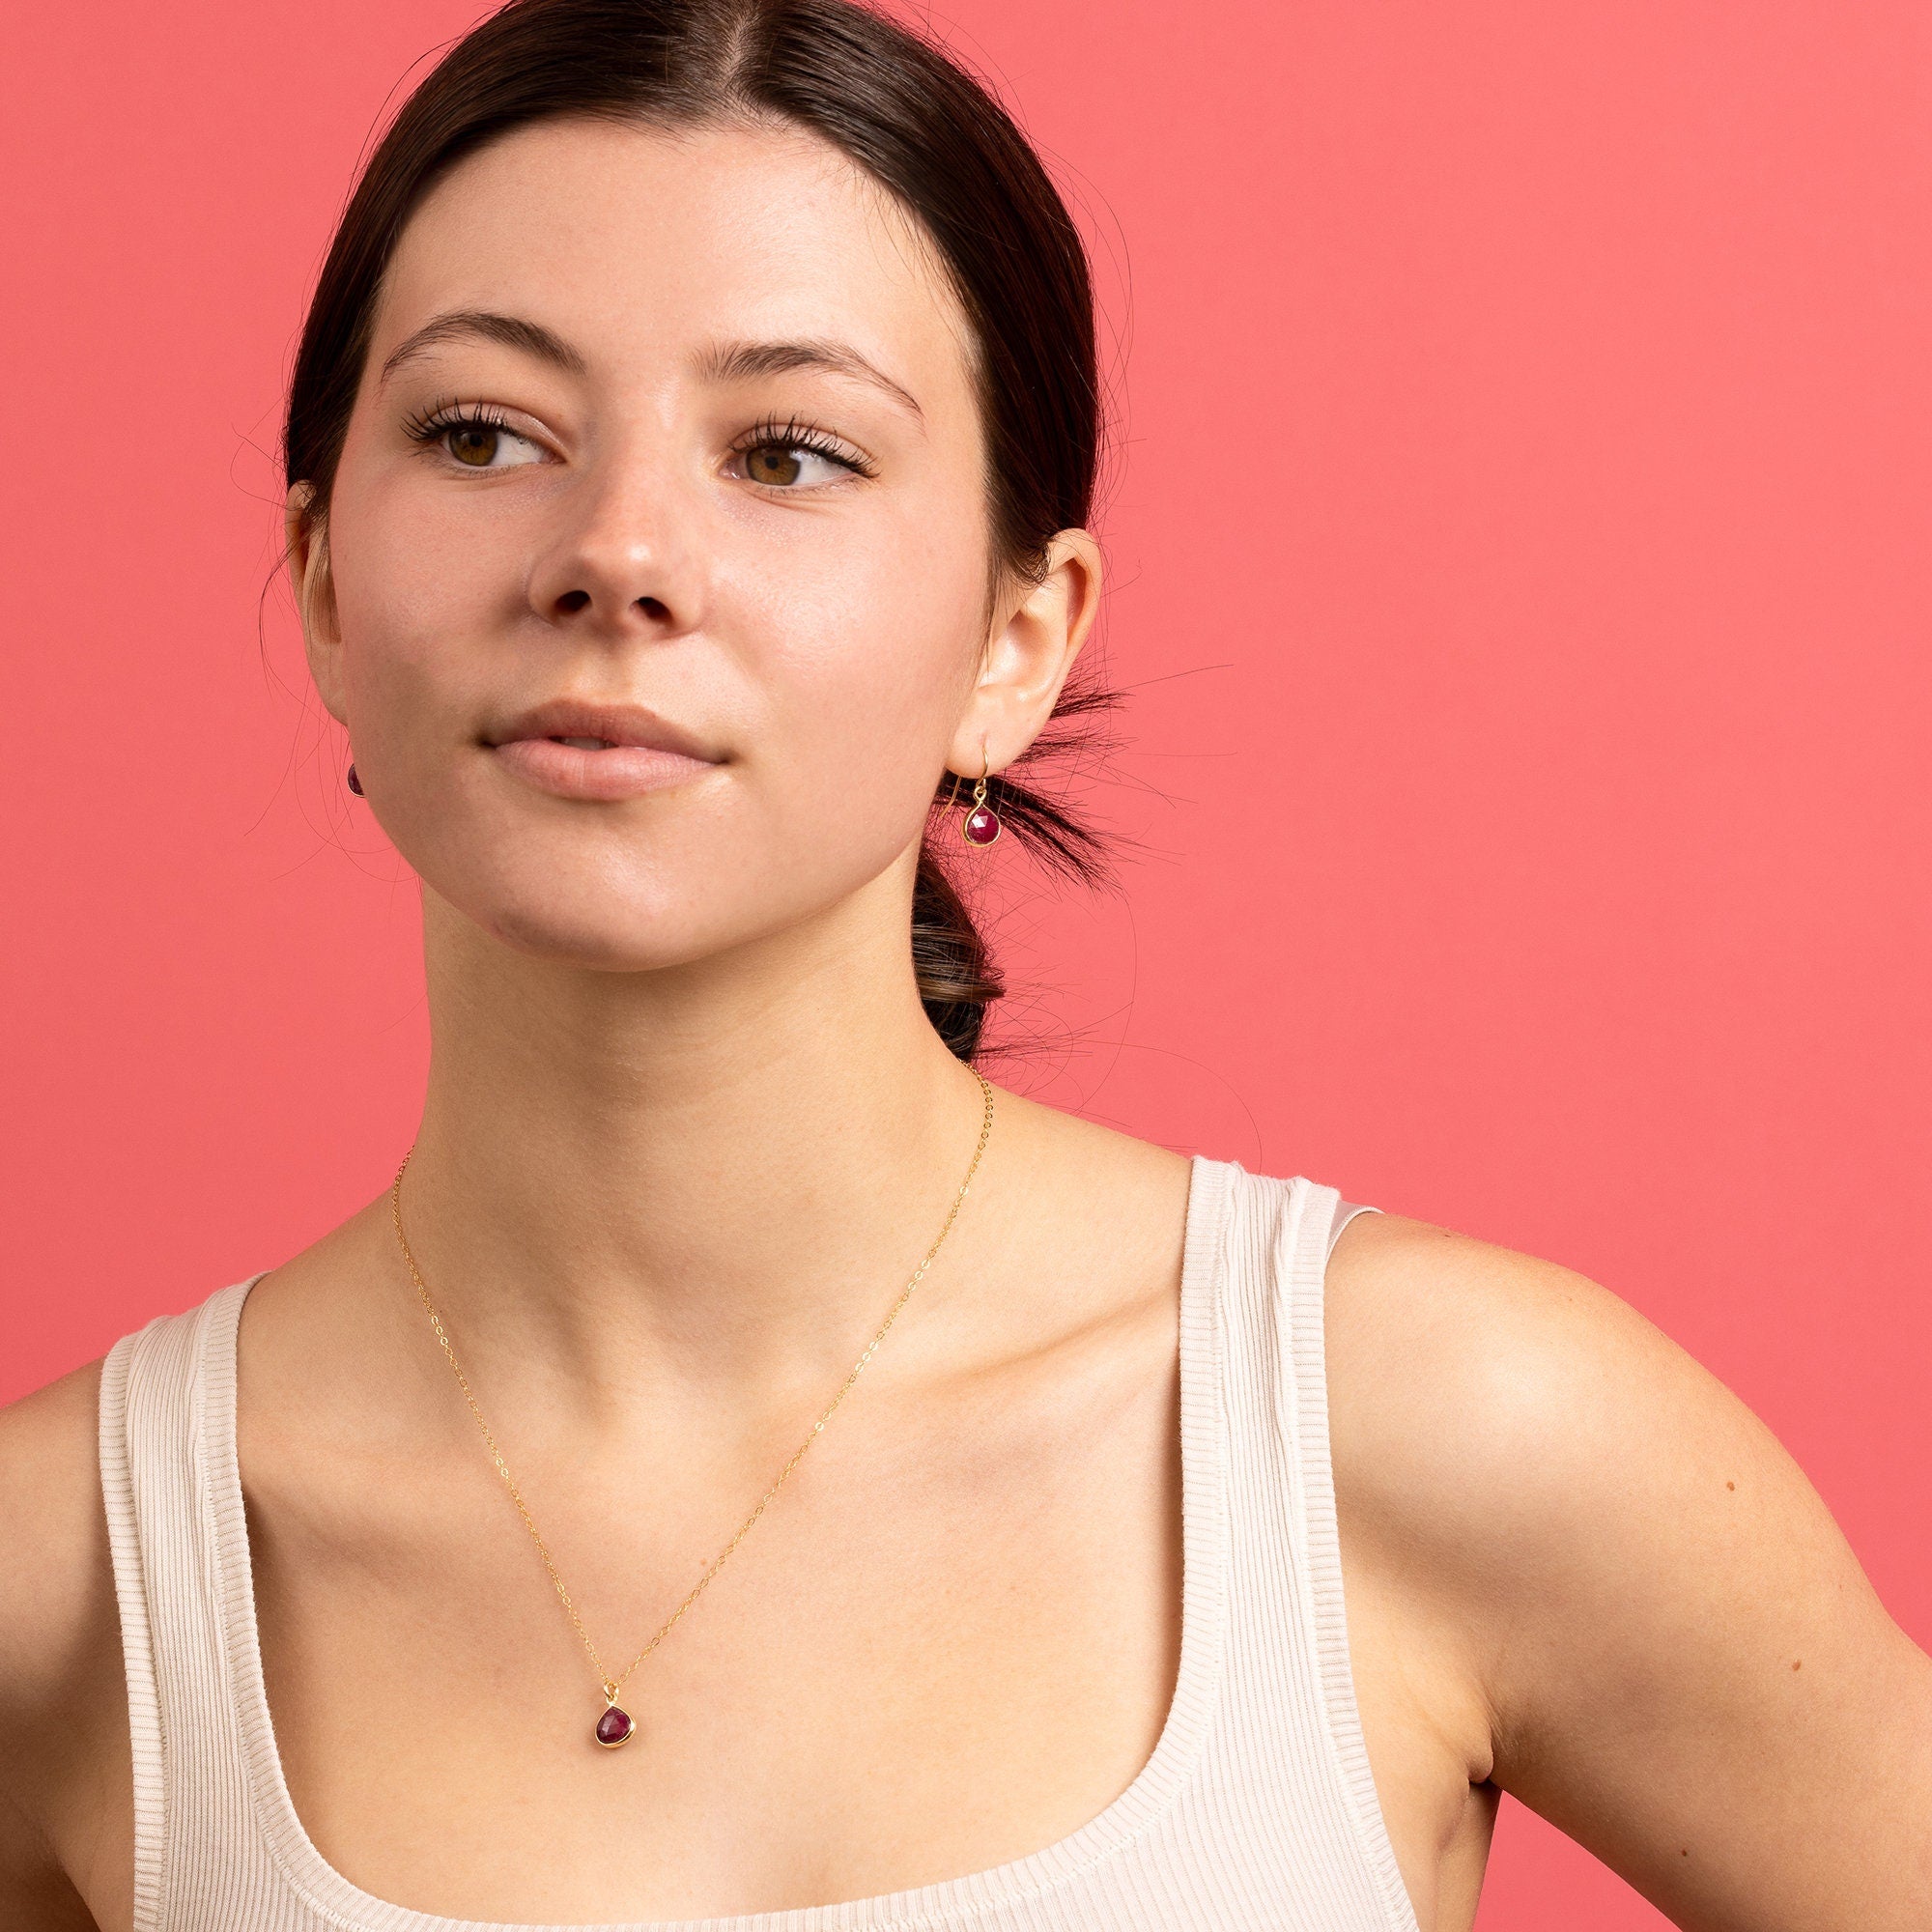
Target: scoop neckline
x: 951, y: 1903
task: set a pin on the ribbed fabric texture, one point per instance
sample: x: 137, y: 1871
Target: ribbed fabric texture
x: 1256, y: 1812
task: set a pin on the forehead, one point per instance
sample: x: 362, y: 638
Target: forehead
x: 638, y: 243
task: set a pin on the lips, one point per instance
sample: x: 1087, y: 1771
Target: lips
x: 609, y: 724
x: 575, y: 748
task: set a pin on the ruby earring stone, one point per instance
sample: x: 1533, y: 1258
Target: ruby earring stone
x: 981, y: 826
x: 614, y: 1727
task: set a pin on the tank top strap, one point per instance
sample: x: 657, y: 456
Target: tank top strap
x: 166, y: 1416
x: 1291, y: 1688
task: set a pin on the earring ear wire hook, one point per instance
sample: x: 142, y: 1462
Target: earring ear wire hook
x: 986, y: 771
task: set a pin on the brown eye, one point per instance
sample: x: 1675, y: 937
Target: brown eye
x: 772, y: 462
x: 478, y: 443
x: 473, y: 443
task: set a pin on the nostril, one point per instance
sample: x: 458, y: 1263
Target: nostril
x: 573, y: 601
x: 657, y: 612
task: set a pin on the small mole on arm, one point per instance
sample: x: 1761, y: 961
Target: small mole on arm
x: 1798, y: 1665
x: 1730, y: 1486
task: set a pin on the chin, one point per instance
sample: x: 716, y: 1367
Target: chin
x: 611, y: 911
x: 604, y: 936
x: 574, y: 919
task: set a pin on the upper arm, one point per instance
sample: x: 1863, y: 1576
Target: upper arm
x: 1683, y: 1666
x: 63, y: 1708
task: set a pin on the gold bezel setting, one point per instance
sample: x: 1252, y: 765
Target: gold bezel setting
x: 614, y: 1710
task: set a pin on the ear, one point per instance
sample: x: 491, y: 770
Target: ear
x: 307, y: 550
x: 1031, y: 649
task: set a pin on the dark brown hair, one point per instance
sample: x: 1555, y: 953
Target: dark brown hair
x: 928, y: 133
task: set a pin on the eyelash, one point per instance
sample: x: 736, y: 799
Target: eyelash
x: 449, y: 414
x: 428, y: 425
x: 793, y: 434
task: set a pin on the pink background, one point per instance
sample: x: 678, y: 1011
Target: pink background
x: 1522, y: 558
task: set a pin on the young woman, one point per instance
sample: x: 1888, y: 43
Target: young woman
x: 748, y: 1470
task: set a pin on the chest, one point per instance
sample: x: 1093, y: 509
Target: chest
x: 926, y: 1659
x: 943, y: 1652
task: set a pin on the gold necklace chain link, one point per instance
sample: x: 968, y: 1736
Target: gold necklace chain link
x: 612, y: 1685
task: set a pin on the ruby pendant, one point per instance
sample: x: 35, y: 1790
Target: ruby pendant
x: 981, y: 826
x: 613, y: 1727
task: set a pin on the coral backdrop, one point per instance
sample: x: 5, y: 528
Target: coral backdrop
x: 1519, y: 559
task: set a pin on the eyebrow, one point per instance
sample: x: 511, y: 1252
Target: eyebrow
x: 744, y: 361
x: 513, y: 331
x: 724, y: 362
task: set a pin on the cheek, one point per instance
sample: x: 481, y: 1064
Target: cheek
x: 428, y: 596
x: 864, y: 658
x: 412, y: 576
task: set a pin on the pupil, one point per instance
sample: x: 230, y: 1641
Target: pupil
x: 773, y: 462
x: 473, y: 443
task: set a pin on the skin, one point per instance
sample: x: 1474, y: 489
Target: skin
x: 686, y: 1131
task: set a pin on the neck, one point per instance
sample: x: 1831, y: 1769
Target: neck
x: 737, y: 1163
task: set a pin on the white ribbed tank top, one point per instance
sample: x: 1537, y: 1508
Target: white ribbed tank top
x: 1256, y: 1812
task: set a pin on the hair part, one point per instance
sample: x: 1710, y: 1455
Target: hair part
x: 946, y: 152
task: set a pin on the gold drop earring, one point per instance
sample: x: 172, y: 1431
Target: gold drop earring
x: 980, y: 824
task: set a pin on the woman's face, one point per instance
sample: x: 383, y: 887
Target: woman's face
x: 681, y: 427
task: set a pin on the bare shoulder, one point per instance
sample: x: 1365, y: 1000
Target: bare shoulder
x: 1679, y: 1659
x: 1475, y: 1387
x: 61, y: 1681
x: 1495, y: 1408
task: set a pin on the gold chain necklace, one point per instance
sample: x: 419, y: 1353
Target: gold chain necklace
x: 616, y: 1726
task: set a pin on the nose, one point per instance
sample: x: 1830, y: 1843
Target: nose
x: 620, y: 561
